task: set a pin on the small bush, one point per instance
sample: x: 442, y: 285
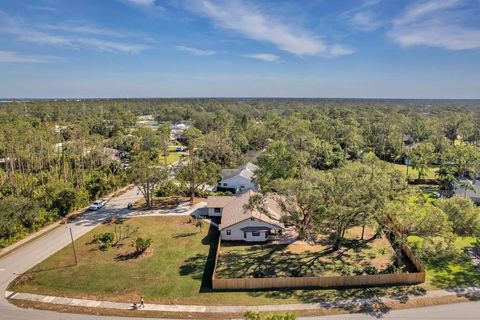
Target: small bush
x: 370, y: 269
x: 104, y: 240
x: 142, y: 244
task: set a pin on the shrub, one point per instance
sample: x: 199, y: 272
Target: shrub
x: 370, y: 269
x: 104, y: 240
x: 142, y: 244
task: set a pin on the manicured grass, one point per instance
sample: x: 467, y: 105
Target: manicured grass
x: 241, y: 260
x: 178, y: 271
x: 456, y: 271
x: 167, y: 273
x: 413, y: 173
x: 172, y: 157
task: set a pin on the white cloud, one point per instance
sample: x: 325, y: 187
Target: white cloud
x: 145, y: 3
x: 13, y: 57
x: 365, y: 21
x: 248, y: 21
x: 420, y: 9
x: 340, y: 50
x: 195, y: 51
x: 263, y: 56
x: 85, y: 29
x: 436, y: 23
x: 363, y: 17
x: 32, y: 34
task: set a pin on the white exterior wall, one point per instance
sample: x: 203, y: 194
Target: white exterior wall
x: 212, y: 213
x: 236, y: 182
x: 237, y: 234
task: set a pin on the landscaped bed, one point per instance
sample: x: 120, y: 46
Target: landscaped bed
x: 372, y: 255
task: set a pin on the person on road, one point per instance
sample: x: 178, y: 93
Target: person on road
x: 142, y: 303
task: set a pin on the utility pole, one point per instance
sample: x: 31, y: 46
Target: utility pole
x: 73, y: 246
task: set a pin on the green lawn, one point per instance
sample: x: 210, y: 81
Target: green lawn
x: 177, y: 271
x: 173, y: 156
x: 413, y: 173
x: 457, y: 271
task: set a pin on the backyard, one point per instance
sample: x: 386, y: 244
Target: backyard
x: 356, y: 256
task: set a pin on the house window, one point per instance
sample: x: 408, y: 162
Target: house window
x: 245, y: 235
x: 217, y: 210
x: 229, y: 232
x: 256, y: 234
x: 225, y: 184
x: 242, y: 186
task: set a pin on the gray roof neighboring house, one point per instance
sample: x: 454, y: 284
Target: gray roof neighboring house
x: 472, y: 194
x: 234, y: 211
x: 246, y: 170
x: 218, y: 201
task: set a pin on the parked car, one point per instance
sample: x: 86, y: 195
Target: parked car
x: 97, y: 204
x: 180, y: 149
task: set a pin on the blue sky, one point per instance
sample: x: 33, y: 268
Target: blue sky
x: 240, y: 48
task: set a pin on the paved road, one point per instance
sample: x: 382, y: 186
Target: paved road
x: 460, y: 311
x: 31, y: 254
x: 38, y: 250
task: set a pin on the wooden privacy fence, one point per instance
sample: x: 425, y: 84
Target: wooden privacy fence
x: 318, y: 282
x: 322, y: 282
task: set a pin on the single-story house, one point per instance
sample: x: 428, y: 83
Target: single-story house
x: 238, y: 179
x: 241, y: 224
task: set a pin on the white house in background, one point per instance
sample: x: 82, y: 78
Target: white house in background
x: 177, y: 130
x: 238, y: 179
x: 240, y: 224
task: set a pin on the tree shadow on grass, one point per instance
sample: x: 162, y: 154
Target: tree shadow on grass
x: 127, y: 256
x: 184, y: 235
x: 456, y: 274
x: 200, y: 266
x: 364, y: 300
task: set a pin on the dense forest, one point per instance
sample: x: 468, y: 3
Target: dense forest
x: 56, y: 154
